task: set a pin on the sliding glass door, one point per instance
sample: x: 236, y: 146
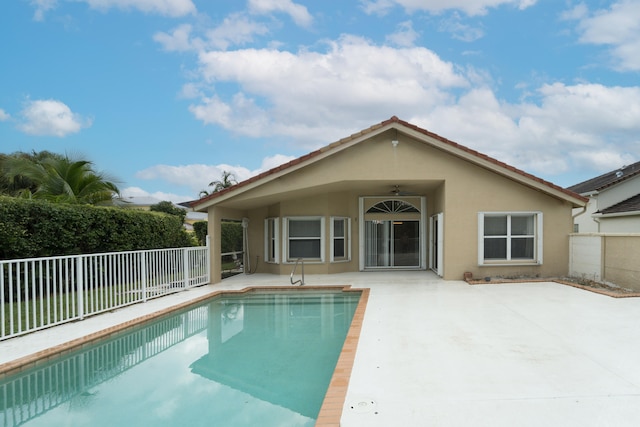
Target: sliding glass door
x: 392, y: 243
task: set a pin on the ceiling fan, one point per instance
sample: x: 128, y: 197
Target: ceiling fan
x: 396, y: 191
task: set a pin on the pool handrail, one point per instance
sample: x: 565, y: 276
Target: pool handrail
x: 300, y: 282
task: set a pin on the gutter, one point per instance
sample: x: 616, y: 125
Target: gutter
x: 613, y: 215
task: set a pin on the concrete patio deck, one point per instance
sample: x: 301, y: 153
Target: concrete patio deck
x: 445, y: 353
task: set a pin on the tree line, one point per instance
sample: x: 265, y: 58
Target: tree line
x: 54, y: 204
x: 35, y: 187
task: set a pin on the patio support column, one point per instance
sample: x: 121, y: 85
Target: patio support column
x: 215, y: 250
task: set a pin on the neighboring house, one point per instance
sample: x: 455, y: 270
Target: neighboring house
x: 191, y: 217
x: 614, y: 202
x: 137, y: 202
x: 395, y: 196
x: 144, y: 203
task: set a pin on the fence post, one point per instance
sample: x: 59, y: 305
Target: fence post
x: 208, y: 259
x: 80, y: 287
x: 185, y: 265
x: 143, y: 273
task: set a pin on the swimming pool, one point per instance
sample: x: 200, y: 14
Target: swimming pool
x: 251, y: 359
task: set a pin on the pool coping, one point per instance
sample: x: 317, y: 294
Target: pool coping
x: 333, y: 403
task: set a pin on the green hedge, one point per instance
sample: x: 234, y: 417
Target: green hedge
x: 230, y: 238
x: 200, y: 228
x: 31, y: 228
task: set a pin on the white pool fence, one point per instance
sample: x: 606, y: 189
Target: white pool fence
x: 37, y: 293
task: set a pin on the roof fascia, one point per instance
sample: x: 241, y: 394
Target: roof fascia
x: 496, y: 166
x: 617, y: 214
x: 295, y: 165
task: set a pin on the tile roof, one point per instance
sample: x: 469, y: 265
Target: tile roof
x: 392, y: 120
x: 136, y: 201
x: 606, y: 180
x: 632, y: 204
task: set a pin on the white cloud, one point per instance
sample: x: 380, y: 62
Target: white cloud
x: 580, y: 127
x: 172, y: 8
x: 42, y: 6
x: 469, y: 7
x: 459, y: 30
x: 190, y: 91
x: 405, y: 35
x: 316, y: 97
x: 617, y: 27
x: 4, y: 116
x: 236, y: 29
x: 297, y: 12
x: 273, y: 161
x: 160, y: 195
x: 179, y: 39
x: 51, y: 118
x: 197, y: 177
x: 378, y: 7
x: 352, y: 79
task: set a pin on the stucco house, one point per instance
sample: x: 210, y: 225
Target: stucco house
x: 614, y: 202
x: 395, y: 196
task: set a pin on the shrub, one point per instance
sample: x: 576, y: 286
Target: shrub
x: 200, y: 229
x: 231, y: 237
x: 169, y: 208
x: 33, y: 228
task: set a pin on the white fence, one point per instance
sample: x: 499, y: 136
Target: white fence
x: 585, y: 256
x: 606, y: 257
x: 41, y: 292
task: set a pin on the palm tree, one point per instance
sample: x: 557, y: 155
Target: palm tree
x: 19, y: 185
x: 60, y: 179
x: 227, y: 180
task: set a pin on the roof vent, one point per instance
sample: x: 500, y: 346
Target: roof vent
x: 619, y: 174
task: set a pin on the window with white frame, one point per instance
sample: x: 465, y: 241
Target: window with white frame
x: 304, y: 238
x: 513, y: 237
x: 271, y: 240
x: 340, y: 242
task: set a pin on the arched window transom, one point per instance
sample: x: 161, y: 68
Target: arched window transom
x: 393, y: 206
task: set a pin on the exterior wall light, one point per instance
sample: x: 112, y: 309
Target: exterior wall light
x: 395, y: 143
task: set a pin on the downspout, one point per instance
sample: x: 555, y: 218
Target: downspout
x: 584, y: 209
x: 245, y: 242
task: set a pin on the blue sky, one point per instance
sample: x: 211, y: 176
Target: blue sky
x: 167, y: 94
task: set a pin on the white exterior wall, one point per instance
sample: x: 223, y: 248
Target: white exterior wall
x: 585, y: 256
x: 617, y: 193
x: 604, y: 199
x: 585, y: 222
x: 620, y: 224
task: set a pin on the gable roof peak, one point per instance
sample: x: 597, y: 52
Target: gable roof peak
x: 395, y: 122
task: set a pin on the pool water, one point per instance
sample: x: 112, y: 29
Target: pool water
x: 256, y: 359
